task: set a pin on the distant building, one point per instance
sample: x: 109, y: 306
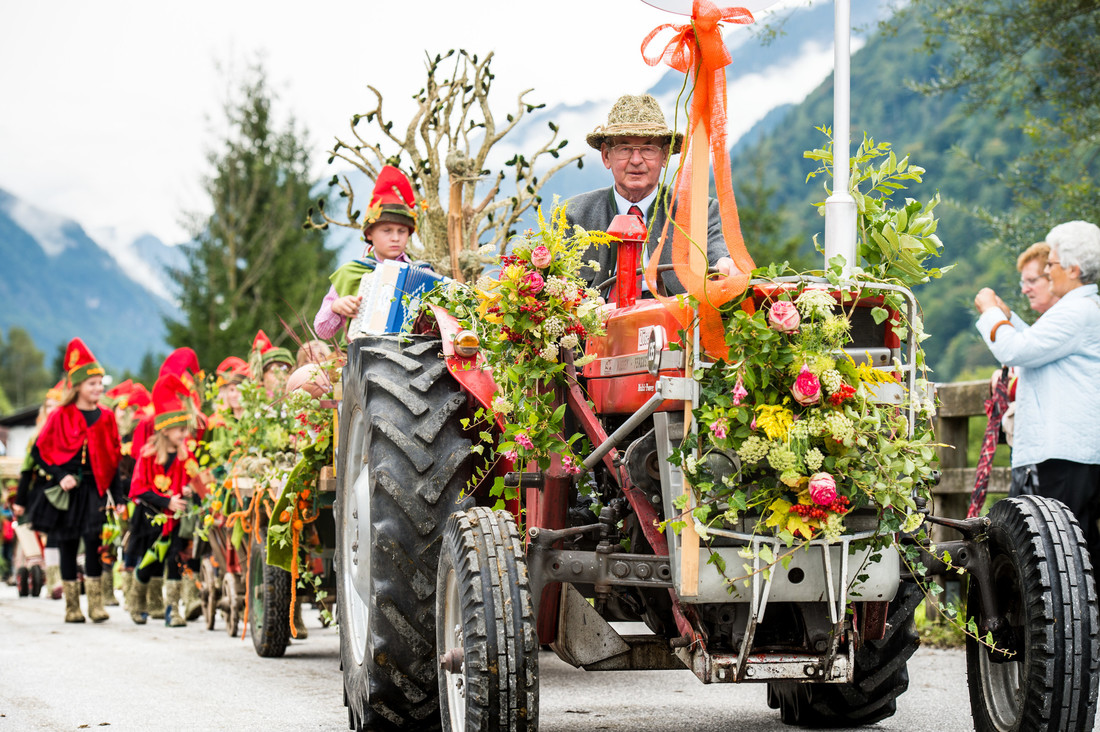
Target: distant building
x: 16, y: 429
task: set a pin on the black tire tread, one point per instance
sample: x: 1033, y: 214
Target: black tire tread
x: 487, y: 553
x: 420, y: 463
x: 271, y: 634
x: 881, y: 675
x: 1063, y: 653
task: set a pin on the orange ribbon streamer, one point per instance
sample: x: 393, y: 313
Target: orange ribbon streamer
x: 697, y: 48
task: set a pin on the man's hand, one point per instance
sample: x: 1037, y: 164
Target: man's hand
x: 726, y: 266
x: 347, y: 306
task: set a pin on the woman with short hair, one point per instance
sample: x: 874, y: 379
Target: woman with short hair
x: 1058, y: 362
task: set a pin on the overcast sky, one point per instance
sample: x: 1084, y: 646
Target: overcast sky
x: 109, y: 107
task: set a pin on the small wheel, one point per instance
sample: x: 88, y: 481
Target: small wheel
x: 38, y: 578
x: 485, y: 626
x: 23, y: 581
x: 268, y: 603
x: 209, y: 593
x: 1042, y: 577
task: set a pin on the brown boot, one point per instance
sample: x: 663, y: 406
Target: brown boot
x: 173, y: 615
x: 299, y: 622
x: 125, y: 581
x: 93, y: 587
x: 154, y: 598
x: 192, y: 600
x: 135, y: 601
x: 53, y: 581
x: 107, y: 581
x: 71, y: 590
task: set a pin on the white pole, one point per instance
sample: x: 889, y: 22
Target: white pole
x: 840, y: 208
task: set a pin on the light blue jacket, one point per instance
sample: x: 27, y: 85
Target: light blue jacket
x: 1058, y: 362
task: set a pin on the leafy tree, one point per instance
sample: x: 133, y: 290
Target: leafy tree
x: 1033, y: 63
x: 251, y: 263
x: 762, y: 224
x: 148, y: 371
x: 23, y: 378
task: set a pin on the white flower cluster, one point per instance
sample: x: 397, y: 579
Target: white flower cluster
x: 594, y: 264
x: 484, y: 282
x: 502, y: 406
x: 831, y: 380
x: 553, y: 327
x: 782, y: 457
x: 799, y: 430
x: 815, y: 302
x: 833, y: 527
x: 570, y: 340
x: 555, y: 286
x: 814, y: 460
x: 840, y: 427
x: 550, y: 352
x: 753, y: 449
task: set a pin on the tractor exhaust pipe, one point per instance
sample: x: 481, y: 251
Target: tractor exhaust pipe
x: 840, y: 208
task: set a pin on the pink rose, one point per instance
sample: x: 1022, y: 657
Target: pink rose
x: 784, y: 316
x: 524, y: 441
x: 540, y: 257
x: 533, y: 283
x: 739, y: 393
x: 806, y: 388
x: 718, y: 429
x: 822, y: 489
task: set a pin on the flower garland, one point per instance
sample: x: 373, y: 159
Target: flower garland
x: 805, y: 422
x: 535, y: 311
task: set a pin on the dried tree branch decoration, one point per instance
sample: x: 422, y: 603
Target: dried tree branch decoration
x: 447, y: 142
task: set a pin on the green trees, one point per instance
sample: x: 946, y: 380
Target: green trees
x: 251, y: 262
x: 23, y: 377
x: 1033, y: 63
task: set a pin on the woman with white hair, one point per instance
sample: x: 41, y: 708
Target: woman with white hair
x: 1058, y: 361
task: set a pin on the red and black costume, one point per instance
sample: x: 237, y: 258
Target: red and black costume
x: 152, y: 488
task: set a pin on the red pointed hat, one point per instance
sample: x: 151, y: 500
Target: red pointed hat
x: 392, y: 200
x: 183, y: 363
x: 57, y: 393
x: 120, y: 391
x: 139, y: 397
x: 80, y: 364
x: 266, y: 353
x: 232, y: 370
x: 170, y: 398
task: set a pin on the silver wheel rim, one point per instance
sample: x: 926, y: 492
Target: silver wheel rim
x: 455, y: 683
x: 354, y: 543
x: 1001, y: 688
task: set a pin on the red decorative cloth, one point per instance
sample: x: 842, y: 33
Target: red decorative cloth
x: 995, y: 407
x: 697, y: 48
x: 65, y: 433
x: 151, y: 476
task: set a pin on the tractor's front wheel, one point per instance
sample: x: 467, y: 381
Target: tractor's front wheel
x: 1042, y: 578
x: 268, y: 603
x: 485, y: 626
x: 881, y: 675
x: 402, y: 464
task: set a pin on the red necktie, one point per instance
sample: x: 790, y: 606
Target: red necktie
x: 635, y: 211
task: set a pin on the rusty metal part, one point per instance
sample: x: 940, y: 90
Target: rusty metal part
x: 452, y: 661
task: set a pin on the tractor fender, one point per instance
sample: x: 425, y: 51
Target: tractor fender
x: 471, y: 373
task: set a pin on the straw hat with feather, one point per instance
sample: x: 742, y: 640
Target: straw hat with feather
x: 635, y: 116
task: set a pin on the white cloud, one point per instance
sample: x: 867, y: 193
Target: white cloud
x: 43, y: 226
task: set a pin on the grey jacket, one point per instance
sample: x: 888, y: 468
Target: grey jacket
x: 595, y: 209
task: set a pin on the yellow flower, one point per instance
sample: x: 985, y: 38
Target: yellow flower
x: 191, y: 467
x: 868, y: 374
x: 775, y: 420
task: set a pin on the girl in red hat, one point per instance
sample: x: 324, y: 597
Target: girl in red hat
x: 390, y: 223
x: 78, y: 453
x: 161, y: 486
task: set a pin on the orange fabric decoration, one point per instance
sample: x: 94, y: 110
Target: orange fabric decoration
x: 698, y: 49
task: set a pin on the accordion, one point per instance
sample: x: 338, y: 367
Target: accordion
x: 391, y: 294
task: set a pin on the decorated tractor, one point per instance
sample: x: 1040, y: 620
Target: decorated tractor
x: 743, y: 472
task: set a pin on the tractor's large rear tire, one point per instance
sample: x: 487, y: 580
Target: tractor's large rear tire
x: 485, y: 629
x: 1042, y: 577
x: 881, y: 676
x: 403, y: 462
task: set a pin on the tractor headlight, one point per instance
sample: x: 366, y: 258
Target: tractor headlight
x: 466, y: 343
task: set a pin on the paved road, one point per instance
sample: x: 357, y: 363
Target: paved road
x: 126, y: 677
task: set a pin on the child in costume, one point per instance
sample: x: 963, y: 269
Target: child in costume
x: 270, y: 364
x: 78, y: 451
x: 391, y: 221
x: 161, y: 486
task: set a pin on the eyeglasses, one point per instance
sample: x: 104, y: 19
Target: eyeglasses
x: 648, y: 152
x: 1027, y: 282
x: 1051, y: 263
